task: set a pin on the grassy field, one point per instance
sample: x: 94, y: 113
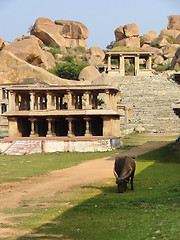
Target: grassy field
x: 97, y: 211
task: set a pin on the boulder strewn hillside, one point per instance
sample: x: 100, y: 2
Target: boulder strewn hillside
x: 13, y: 69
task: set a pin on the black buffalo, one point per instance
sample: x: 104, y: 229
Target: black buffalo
x: 124, y: 169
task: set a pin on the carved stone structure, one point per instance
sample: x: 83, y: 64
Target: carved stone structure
x: 44, y: 110
x: 136, y: 56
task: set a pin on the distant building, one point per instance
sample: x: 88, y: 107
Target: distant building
x: 39, y: 109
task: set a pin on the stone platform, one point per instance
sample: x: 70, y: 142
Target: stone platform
x: 21, y: 146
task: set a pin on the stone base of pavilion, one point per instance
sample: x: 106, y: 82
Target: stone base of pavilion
x: 142, y: 72
x: 21, y: 146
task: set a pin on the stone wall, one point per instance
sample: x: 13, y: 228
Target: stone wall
x: 94, y: 144
x: 150, y: 99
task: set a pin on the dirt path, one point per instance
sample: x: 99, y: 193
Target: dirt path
x: 11, y: 194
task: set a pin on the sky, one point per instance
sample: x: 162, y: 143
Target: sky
x: 101, y: 17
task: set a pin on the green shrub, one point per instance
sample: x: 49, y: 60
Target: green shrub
x: 100, y: 101
x: 170, y: 39
x: 80, y: 49
x: 68, y: 58
x: 154, y: 45
x: 111, y: 45
x: 67, y: 70
x: 54, y: 49
x: 161, y: 68
x: 129, y: 68
x: 115, y: 62
x: 142, y: 41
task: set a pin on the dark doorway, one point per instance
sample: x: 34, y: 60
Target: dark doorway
x: 42, y: 128
x: 97, y: 126
x: 61, y: 127
x: 24, y: 126
x: 79, y: 127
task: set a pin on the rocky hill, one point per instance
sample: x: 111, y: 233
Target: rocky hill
x: 52, y: 42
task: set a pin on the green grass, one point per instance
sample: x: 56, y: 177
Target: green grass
x: 16, y: 168
x: 139, y: 139
x: 96, y: 211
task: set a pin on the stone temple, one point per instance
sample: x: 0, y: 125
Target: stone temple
x: 73, y: 112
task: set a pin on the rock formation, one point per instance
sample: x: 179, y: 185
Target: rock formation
x: 48, y: 32
x: 176, y: 60
x: 95, y: 56
x: 173, y: 22
x: 166, y: 44
x: 149, y: 36
x: 13, y: 69
x: 74, y: 32
x: 89, y: 73
x: 28, y: 50
x: 127, y: 35
x: 63, y: 33
x: 1, y: 43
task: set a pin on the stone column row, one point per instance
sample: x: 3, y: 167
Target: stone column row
x: 136, y: 63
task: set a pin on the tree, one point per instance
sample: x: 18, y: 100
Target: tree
x: 111, y: 45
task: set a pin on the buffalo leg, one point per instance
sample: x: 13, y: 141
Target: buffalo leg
x: 132, y: 176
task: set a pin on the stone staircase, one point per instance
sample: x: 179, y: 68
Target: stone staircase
x: 151, y: 100
x: 21, y: 147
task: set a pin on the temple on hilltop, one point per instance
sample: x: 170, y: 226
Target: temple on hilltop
x: 137, y: 55
x: 40, y: 109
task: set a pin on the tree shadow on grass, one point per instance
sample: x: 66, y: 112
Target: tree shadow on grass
x: 133, y: 215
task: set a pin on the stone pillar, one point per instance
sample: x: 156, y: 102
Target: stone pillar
x: 107, y: 102
x: 88, y: 100
x: 109, y: 63
x: 121, y: 65
x: 136, y: 65
x: 70, y: 127
x: 32, y: 101
x: 13, y: 130
x: 115, y: 127
x: 50, y: 132
x: 70, y: 100
x: 12, y: 101
x: 95, y: 104
x: 107, y: 127
x: 32, y: 133
x: 87, y: 132
x: 17, y: 102
x: 36, y: 128
x: 49, y: 101
x: 39, y: 103
x: 148, y: 62
x: 114, y: 101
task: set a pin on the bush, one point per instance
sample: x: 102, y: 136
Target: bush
x: 69, y: 59
x: 142, y: 41
x: 129, y: 68
x: 67, y: 70
x: 111, y: 45
x: 154, y: 45
x: 115, y: 62
x: 80, y: 49
x: 161, y: 68
x: 170, y: 39
x: 54, y: 49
